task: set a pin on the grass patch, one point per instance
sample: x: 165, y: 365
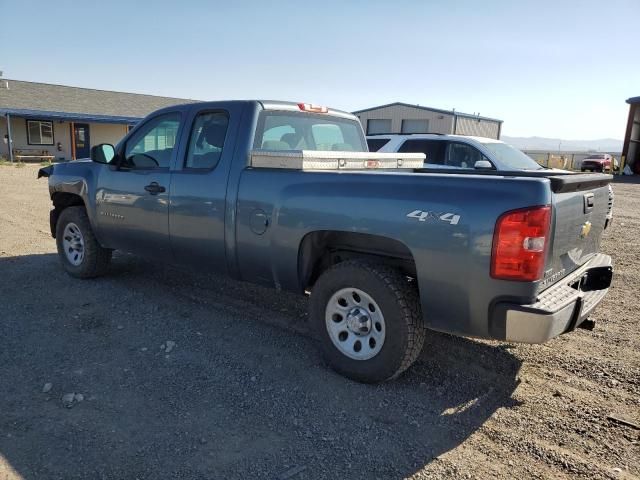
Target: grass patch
x: 20, y: 164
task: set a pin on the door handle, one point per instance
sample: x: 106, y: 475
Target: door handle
x: 153, y: 188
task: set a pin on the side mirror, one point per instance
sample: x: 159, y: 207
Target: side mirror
x: 103, y: 153
x: 483, y: 165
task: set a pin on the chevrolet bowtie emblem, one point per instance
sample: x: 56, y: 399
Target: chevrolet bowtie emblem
x: 586, y: 228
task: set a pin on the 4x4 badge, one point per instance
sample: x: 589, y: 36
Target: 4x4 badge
x: 422, y: 216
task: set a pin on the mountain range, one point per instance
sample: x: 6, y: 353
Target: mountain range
x: 609, y: 145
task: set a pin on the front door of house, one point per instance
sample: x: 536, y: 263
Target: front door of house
x: 81, y: 140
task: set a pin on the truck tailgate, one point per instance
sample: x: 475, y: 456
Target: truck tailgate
x: 581, y: 204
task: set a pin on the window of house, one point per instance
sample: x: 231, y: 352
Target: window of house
x: 152, y: 145
x: 207, y: 140
x: 376, y: 126
x: 39, y: 132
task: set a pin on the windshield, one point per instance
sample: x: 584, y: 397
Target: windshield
x: 307, y: 131
x: 511, y: 157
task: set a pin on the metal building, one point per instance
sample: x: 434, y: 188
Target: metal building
x: 401, y: 117
x: 631, y: 145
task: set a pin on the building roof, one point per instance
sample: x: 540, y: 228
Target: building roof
x: 633, y: 100
x: 420, y: 107
x: 33, y: 99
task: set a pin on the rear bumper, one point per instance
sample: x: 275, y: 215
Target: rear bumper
x: 559, y: 309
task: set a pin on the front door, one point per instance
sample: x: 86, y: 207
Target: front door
x: 132, y: 201
x: 81, y: 140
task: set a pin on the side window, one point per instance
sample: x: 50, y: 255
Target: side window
x: 152, y: 145
x: 207, y: 140
x: 376, y: 144
x: 433, y: 149
x: 462, y: 155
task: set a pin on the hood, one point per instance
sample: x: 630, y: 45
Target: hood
x: 63, y: 167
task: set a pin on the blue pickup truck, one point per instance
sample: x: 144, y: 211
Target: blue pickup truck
x: 286, y: 195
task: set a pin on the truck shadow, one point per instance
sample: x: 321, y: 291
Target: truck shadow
x: 243, y: 393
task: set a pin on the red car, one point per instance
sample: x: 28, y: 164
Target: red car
x: 598, y: 162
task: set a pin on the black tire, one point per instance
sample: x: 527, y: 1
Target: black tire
x: 96, y: 258
x: 400, y: 305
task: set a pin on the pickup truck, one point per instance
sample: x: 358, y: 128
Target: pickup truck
x: 286, y: 195
x: 599, y: 162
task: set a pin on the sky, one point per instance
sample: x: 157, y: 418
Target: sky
x: 560, y: 69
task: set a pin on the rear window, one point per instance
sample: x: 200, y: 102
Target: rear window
x: 511, y: 158
x: 376, y: 144
x: 595, y: 157
x: 306, y: 131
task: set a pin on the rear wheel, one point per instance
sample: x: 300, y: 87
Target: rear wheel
x: 368, y: 319
x: 79, y: 251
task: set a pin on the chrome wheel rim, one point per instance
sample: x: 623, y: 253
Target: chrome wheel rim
x: 355, y: 323
x: 73, y: 244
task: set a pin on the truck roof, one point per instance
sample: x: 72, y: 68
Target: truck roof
x: 295, y: 107
x: 275, y: 105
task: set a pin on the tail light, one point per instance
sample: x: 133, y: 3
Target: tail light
x: 520, y: 242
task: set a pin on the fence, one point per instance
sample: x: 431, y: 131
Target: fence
x: 564, y: 160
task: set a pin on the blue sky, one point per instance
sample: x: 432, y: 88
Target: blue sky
x: 547, y: 68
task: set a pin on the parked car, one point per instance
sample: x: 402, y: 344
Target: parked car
x: 286, y: 195
x: 456, y: 151
x: 599, y: 162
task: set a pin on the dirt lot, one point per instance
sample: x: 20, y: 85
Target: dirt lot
x: 244, y: 393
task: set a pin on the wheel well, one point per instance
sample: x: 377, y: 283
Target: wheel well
x: 323, y: 249
x: 62, y: 200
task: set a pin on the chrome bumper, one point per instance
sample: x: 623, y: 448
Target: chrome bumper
x: 560, y: 308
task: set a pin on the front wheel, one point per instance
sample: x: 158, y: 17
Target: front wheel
x: 368, y: 319
x: 79, y: 251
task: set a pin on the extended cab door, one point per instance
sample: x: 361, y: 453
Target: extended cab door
x: 132, y: 199
x: 199, y: 187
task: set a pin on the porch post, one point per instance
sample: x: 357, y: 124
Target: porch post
x: 73, y: 140
x: 9, y: 140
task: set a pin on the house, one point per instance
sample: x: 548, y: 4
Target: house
x: 401, y: 117
x: 57, y: 122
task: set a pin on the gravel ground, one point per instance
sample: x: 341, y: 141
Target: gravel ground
x: 154, y: 372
